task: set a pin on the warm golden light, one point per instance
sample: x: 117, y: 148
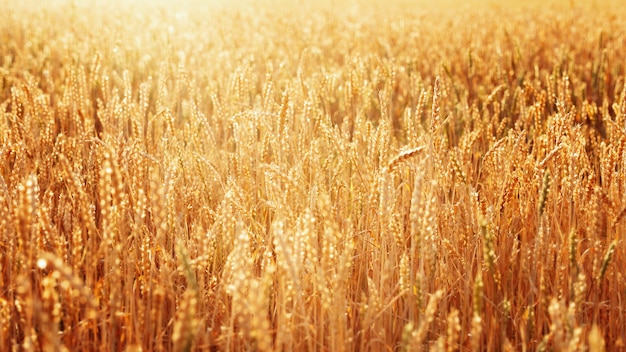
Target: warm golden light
x: 351, y: 175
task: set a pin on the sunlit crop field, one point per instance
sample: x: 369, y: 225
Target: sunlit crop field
x: 291, y: 176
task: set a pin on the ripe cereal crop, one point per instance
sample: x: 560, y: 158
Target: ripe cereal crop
x: 312, y: 176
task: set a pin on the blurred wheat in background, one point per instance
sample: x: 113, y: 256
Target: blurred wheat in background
x: 361, y: 176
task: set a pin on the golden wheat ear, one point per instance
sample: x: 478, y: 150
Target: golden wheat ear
x: 403, y: 156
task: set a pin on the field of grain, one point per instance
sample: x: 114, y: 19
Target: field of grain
x: 283, y: 176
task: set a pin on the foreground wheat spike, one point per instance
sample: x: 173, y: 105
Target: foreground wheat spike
x: 69, y: 281
x: 403, y: 156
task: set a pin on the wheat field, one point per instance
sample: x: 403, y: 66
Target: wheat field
x: 291, y: 176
